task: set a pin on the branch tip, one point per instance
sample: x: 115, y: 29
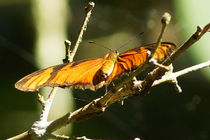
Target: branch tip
x: 176, y: 85
x: 67, y: 43
x: 68, y: 51
x: 166, y: 18
x: 88, y: 10
x: 52, y: 93
x: 89, y: 7
x: 199, y: 28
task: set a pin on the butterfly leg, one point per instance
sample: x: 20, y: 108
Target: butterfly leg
x: 121, y: 102
x: 113, y: 84
x: 106, y: 86
x: 106, y: 89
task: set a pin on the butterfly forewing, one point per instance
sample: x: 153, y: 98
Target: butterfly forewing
x: 34, y: 80
x: 75, y: 75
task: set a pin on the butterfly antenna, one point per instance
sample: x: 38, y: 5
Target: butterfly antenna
x: 126, y: 43
x: 81, y: 100
x: 100, y: 45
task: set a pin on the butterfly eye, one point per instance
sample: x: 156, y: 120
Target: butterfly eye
x: 104, y: 75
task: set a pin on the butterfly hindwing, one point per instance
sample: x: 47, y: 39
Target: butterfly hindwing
x: 131, y: 59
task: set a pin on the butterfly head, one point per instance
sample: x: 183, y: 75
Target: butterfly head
x: 112, y: 55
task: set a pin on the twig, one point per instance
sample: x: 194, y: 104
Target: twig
x: 88, y: 11
x: 68, y: 51
x: 47, y: 105
x: 57, y: 137
x: 58, y: 123
x: 195, y: 37
x: 166, y: 18
x: 172, y: 76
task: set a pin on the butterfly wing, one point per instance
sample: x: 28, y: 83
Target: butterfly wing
x: 163, y: 51
x: 87, y: 74
x: 82, y: 75
x: 134, y: 58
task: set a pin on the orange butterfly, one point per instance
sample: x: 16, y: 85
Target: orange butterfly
x: 93, y: 73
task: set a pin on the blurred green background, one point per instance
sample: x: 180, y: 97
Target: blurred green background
x: 32, y: 35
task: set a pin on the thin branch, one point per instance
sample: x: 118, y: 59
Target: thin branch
x: 47, y: 105
x: 23, y: 136
x: 193, y: 68
x: 166, y: 18
x: 88, y: 11
x: 57, y: 137
x: 194, y: 38
x: 58, y: 123
x: 68, y: 51
x: 172, y: 76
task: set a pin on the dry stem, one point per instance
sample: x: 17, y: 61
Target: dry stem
x: 88, y: 11
x: 170, y: 77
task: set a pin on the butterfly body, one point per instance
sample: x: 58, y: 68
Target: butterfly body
x: 109, y: 61
x: 93, y: 73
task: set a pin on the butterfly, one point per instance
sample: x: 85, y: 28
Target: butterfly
x: 94, y: 73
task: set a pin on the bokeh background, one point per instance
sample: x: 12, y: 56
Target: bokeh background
x: 32, y: 33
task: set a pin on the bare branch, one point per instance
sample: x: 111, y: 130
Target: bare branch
x: 194, y: 38
x: 170, y: 77
x: 68, y: 51
x: 166, y: 18
x: 88, y: 11
x: 24, y: 136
